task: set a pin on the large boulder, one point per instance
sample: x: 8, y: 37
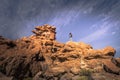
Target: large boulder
x: 109, y: 51
x: 109, y: 66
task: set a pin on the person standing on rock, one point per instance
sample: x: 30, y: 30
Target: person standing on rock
x: 70, y: 36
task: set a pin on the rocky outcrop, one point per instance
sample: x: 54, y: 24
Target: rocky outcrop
x: 42, y: 57
x: 112, y: 66
x: 45, y: 32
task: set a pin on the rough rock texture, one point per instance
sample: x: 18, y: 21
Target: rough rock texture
x: 45, y: 32
x: 42, y: 57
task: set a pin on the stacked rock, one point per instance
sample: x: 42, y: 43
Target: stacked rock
x: 45, y: 32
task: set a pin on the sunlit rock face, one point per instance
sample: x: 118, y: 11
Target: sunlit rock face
x: 40, y: 56
x: 45, y: 32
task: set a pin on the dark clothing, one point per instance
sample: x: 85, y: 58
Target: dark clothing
x: 70, y: 35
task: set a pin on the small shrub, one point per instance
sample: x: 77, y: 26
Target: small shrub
x: 85, y: 72
x: 83, y: 78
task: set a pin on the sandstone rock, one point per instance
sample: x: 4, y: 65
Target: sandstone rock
x: 66, y: 76
x: 109, y: 66
x: 45, y: 32
x: 42, y: 57
x: 109, y: 51
x: 58, y: 44
x: 75, y: 70
x: 117, y: 62
x: 72, y: 44
x: 56, y: 71
x: 75, y: 77
x: 84, y: 46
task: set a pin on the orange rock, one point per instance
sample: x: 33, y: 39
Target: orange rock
x: 110, y: 51
x: 43, y: 56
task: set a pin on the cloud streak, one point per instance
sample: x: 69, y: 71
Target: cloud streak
x: 97, y: 34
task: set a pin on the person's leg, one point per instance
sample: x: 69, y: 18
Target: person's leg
x: 70, y: 38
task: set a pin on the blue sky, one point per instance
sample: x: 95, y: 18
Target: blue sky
x: 96, y: 22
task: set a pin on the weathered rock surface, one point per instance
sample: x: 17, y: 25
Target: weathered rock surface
x: 42, y: 57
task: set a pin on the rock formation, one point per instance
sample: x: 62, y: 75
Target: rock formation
x: 45, y: 32
x: 40, y: 56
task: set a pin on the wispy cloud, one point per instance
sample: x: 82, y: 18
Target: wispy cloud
x: 113, y: 33
x: 98, y: 33
x: 64, y: 17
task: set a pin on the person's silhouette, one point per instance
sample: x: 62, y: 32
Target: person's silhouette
x: 70, y: 36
